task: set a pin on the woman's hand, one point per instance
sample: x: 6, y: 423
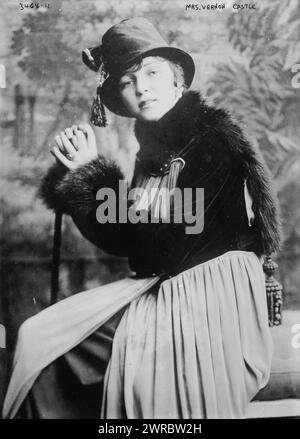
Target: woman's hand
x: 76, y: 146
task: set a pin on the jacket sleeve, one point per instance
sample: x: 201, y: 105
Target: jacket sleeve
x: 260, y: 184
x: 74, y: 193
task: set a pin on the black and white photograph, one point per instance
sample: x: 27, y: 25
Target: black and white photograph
x: 150, y: 212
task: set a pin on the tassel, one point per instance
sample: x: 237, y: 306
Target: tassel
x: 274, y: 293
x: 98, y: 115
x: 158, y: 197
x: 176, y: 167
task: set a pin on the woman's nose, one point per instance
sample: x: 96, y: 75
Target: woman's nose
x: 141, y: 86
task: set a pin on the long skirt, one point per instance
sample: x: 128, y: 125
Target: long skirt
x: 196, y: 346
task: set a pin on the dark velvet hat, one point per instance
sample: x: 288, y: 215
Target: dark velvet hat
x: 122, y: 45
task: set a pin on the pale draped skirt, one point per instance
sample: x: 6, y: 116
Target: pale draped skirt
x: 200, y: 347
x: 196, y: 346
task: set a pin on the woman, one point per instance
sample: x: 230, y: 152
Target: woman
x: 188, y: 336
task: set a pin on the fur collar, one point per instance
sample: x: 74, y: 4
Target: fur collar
x: 175, y: 128
x: 161, y: 141
x: 191, y: 117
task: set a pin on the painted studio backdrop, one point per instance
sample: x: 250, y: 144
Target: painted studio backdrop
x: 247, y: 60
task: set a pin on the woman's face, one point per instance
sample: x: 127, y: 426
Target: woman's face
x: 149, y: 92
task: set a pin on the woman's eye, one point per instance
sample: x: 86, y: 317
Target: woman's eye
x: 153, y: 72
x: 126, y: 83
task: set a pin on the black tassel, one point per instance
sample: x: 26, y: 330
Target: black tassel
x: 274, y: 293
x: 98, y: 115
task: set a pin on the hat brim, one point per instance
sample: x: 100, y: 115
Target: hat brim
x: 110, y: 92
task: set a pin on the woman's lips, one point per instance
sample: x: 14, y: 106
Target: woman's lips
x: 147, y: 103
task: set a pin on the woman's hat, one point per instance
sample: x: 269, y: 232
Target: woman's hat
x: 123, y: 45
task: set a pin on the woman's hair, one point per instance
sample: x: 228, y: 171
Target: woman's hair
x: 175, y: 67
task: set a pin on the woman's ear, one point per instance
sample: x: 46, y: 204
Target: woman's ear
x: 179, y: 89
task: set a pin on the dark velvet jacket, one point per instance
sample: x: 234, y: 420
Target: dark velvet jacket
x: 218, y: 158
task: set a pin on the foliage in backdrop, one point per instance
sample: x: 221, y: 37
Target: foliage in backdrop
x: 254, y: 82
